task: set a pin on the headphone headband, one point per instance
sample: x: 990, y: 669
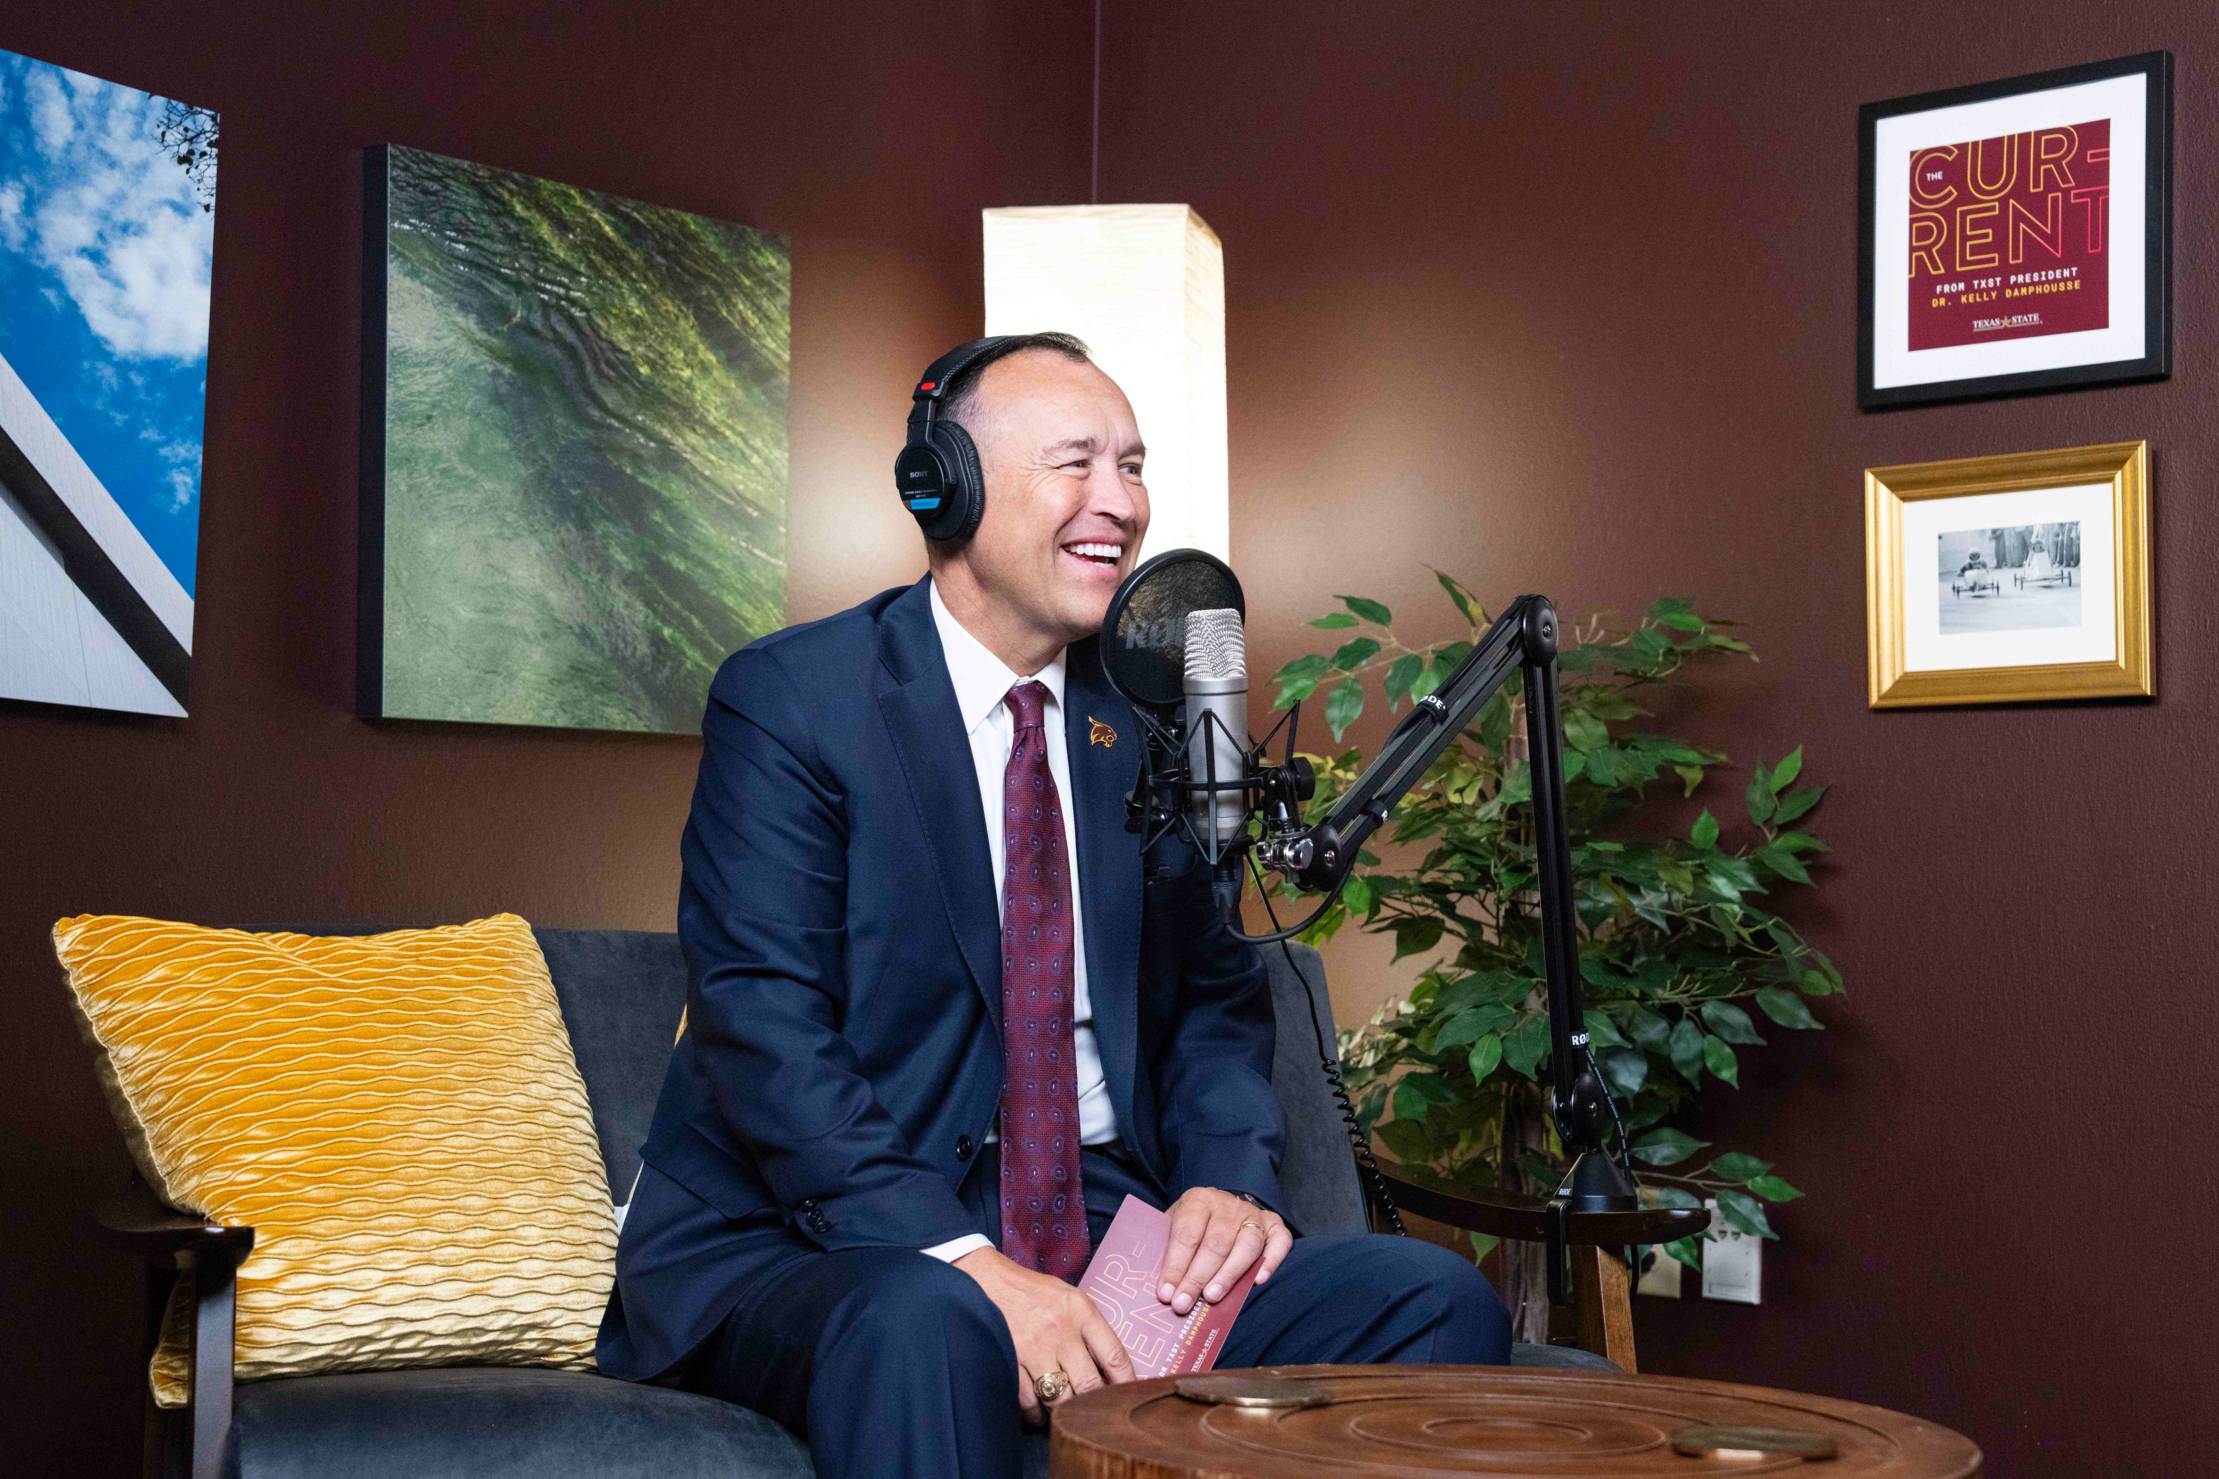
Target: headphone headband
x: 932, y: 386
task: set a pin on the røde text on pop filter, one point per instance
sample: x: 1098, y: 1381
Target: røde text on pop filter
x: 1144, y: 633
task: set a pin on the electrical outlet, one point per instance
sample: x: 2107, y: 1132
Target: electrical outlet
x: 1733, y: 1262
x: 1662, y: 1277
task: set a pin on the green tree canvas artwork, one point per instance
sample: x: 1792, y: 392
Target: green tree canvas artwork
x: 575, y: 449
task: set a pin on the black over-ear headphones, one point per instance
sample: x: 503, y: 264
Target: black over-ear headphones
x: 937, y: 474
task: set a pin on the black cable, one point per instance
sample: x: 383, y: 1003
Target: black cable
x: 1330, y: 1061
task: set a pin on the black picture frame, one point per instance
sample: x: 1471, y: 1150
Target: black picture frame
x: 2156, y: 360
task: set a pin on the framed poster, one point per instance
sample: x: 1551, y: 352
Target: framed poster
x: 2010, y: 579
x: 574, y: 478
x: 2014, y: 235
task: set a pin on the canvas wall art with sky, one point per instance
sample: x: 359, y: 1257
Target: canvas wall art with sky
x: 576, y: 480
x: 107, y: 235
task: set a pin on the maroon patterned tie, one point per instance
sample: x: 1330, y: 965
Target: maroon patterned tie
x: 1043, y: 1214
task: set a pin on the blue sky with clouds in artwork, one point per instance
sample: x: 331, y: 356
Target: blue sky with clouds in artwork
x: 104, y: 259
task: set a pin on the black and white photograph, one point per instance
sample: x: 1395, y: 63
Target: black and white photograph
x: 2019, y: 577
x: 2009, y: 579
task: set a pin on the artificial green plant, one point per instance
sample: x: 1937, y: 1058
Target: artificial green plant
x: 1681, y: 933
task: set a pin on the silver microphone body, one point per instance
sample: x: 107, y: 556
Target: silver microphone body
x: 1216, y: 687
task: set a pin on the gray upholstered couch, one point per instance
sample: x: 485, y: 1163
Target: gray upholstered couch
x: 621, y: 992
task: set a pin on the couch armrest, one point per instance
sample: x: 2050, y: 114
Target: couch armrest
x: 208, y: 1254
x: 135, y: 1218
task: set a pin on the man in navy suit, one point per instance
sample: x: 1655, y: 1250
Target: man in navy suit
x: 915, y: 926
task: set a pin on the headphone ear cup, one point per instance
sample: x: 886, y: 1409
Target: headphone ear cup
x: 967, y: 485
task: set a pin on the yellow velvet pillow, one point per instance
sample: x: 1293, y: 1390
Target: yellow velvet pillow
x: 398, y: 1117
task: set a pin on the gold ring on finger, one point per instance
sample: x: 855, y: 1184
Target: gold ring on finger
x: 1050, y: 1385
x: 1251, y: 1222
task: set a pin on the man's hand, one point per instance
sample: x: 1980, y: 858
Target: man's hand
x: 1215, y: 1236
x: 1055, y: 1327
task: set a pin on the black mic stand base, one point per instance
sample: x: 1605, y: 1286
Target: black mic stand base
x: 1595, y: 1185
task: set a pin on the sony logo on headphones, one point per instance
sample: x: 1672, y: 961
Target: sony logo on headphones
x: 917, y: 472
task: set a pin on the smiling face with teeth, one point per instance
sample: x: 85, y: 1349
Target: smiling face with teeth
x: 1065, y: 507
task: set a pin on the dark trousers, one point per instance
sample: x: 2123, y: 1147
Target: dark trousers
x: 891, y: 1362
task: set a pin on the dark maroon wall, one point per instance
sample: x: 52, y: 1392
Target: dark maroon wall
x: 1562, y: 297
x: 871, y: 135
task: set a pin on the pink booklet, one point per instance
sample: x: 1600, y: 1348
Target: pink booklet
x: 1122, y: 1279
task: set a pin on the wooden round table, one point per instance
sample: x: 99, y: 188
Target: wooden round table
x: 1491, y: 1420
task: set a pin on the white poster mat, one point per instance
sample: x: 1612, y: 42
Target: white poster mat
x: 2124, y: 100
x: 1927, y: 650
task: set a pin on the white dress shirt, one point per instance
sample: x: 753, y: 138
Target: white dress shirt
x: 982, y: 681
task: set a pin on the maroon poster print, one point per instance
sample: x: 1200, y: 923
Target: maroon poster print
x: 2010, y: 236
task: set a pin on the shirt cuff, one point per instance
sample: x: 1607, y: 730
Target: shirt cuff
x: 955, y: 1248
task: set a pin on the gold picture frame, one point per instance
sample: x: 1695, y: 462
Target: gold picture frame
x: 1893, y: 492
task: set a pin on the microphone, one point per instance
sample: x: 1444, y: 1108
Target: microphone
x: 1216, y: 690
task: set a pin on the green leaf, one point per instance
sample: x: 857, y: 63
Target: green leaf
x: 1814, y: 983
x: 1646, y: 1026
x: 1334, y: 621
x: 1746, y: 1213
x: 1665, y: 1146
x: 1681, y: 621
x: 1354, y: 654
x: 1494, y: 723
x: 1462, y: 597
x: 1761, y: 801
x: 1584, y: 731
x: 1427, y: 681
x: 1786, y: 1008
x: 1673, y: 1196
x: 1527, y: 1045
x: 1401, y: 673
x: 1720, y: 1060
x: 1729, y: 1022
x: 1736, y: 1166
x: 1343, y: 706
x: 1370, y: 611
x: 1299, y: 679
x: 1687, y: 1049
x: 1795, y: 804
x: 1773, y: 1189
x: 1690, y: 775
x: 1782, y: 862
x: 1470, y: 1026
x: 1408, y: 1140
x: 1603, y: 1032
x: 1485, y: 1057
x: 1625, y: 1069
x: 1787, y: 770
x: 1704, y: 834
x: 1484, y: 1244
x: 1416, y: 933
x: 1411, y: 1102
x: 1357, y: 895
x: 1688, y: 1251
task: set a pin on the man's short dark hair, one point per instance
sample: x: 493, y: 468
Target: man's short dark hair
x: 957, y: 402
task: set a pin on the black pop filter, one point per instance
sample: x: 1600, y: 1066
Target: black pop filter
x: 1144, y: 633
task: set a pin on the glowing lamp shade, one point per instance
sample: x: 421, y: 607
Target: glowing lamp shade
x: 1144, y: 286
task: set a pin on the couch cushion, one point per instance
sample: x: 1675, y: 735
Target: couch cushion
x: 491, y: 1422
x: 621, y: 992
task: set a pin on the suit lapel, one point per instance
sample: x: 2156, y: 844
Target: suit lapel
x: 1104, y: 762
x: 928, y: 734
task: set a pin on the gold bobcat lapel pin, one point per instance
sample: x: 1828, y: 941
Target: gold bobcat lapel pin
x: 1100, y: 734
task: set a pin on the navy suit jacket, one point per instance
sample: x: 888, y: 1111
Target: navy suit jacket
x: 841, y: 1060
